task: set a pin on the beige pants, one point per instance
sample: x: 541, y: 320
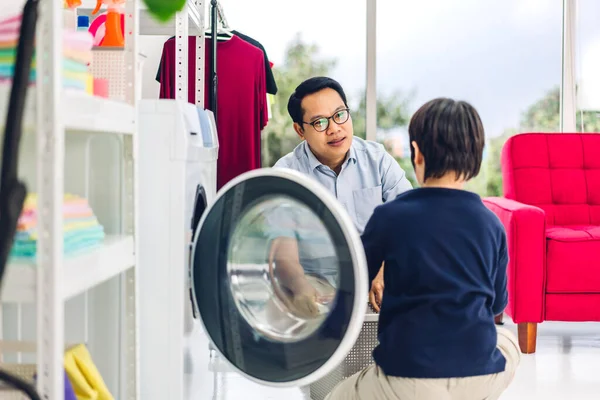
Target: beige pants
x: 373, y: 384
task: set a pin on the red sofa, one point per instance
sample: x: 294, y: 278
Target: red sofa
x: 551, y: 212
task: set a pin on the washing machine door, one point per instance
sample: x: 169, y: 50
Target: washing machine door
x: 279, y: 277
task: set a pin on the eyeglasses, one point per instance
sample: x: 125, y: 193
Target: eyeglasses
x: 321, y: 124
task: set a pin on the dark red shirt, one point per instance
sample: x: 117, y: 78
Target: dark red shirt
x: 242, y: 100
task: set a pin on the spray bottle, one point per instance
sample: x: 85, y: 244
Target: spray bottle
x: 114, y: 34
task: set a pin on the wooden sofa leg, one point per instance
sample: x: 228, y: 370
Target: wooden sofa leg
x: 527, y: 337
x: 499, y: 319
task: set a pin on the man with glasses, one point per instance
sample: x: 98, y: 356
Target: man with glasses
x: 359, y: 173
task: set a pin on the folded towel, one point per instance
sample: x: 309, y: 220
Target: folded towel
x: 10, y: 24
x: 81, y: 229
x: 74, y: 40
x: 80, y: 56
x: 76, y: 80
x: 8, y: 66
x: 73, y: 242
x: 70, y: 202
x: 91, y: 232
x: 73, y: 59
x: 28, y: 231
x: 31, y: 201
x: 29, y: 222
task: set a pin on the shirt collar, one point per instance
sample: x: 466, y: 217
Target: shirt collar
x: 314, y: 163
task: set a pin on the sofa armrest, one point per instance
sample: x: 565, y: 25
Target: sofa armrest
x: 525, y: 227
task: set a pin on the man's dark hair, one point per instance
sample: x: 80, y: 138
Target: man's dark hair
x: 451, y: 138
x: 310, y: 86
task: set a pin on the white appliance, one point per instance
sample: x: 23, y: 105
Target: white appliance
x: 240, y: 289
x: 235, y: 263
x: 177, y: 181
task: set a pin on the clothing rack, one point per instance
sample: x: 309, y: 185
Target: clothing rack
x: 222, y: 16
x: 216, y: 15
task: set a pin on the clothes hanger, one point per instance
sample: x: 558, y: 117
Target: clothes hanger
x: 223, y: 34
x: 223, y: 31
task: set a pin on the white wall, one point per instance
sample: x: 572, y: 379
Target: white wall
x: 10, y: 7
x: 151, y: 47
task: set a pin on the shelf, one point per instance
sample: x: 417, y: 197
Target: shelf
x: 81, y: 272
x: 152, y: 27
x: 81, y: 112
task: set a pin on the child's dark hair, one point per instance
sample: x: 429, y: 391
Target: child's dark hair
x: 450, y: 136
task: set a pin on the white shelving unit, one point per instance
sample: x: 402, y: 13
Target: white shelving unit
x: 80, y: 112
x: 85, y: 145
x: 80, y: 273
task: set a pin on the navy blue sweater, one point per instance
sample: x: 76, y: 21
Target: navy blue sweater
x: 445, y: 280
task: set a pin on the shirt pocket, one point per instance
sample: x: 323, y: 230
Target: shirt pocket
x: 365, y: 201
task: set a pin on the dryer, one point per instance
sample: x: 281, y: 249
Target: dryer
x: 177, y: 151
x: 266, y: 229
x: 238, y: 263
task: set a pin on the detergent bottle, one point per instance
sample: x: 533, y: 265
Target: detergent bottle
x: 114, y: 34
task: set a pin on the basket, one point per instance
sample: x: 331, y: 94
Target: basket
x: 109, y: 63
x: 360, y: 357
x: 23, y: 371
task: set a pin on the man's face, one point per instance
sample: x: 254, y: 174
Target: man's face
x: 326, y: 108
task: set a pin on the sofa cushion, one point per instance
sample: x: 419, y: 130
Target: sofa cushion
x: 559, y: 173
x: 573, y: 259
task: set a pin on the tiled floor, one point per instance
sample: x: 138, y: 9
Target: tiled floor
x: 566, y: 366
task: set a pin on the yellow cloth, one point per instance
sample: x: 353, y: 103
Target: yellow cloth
x: 84, y: 376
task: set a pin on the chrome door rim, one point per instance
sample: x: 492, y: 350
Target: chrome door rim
x: 358, y: 261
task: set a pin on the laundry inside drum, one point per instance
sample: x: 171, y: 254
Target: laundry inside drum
x: 283, y: 269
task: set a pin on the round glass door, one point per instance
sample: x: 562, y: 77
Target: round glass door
x: 279, y: 277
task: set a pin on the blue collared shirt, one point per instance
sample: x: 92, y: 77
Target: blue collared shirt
x: 369, y: 177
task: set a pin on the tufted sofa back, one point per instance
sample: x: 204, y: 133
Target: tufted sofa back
x: 557, y: 172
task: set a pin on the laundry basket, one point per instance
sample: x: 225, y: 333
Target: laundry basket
x: 360, y: 357
x: 23, y: 371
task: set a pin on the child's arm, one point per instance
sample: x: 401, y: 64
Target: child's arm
x: 501, y: 299
x: 373, y: 242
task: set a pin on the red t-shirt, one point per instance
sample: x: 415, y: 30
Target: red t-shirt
x: 242, y: 100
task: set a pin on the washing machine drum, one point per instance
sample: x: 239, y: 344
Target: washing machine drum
x: 279, y: 277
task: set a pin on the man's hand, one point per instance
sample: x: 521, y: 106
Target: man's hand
x: 376, y: 293
x: 305, y: 305
x: 303, y: 301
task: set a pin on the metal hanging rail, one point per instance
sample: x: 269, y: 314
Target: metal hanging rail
x: 214, y: 79
x: 222, y: 15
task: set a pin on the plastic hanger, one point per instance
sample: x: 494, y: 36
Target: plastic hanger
x: 222, y: 36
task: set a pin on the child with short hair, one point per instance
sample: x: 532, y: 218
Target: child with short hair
x: 445, y: 260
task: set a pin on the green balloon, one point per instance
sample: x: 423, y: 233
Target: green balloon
x: 164, y: 10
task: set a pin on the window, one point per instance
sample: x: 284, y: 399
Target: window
x: 587, y: 61
x: 304, y: 39
x: 503, y: 57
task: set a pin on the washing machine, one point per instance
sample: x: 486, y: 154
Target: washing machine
x: 177, y: 152
x: 279, y: 278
